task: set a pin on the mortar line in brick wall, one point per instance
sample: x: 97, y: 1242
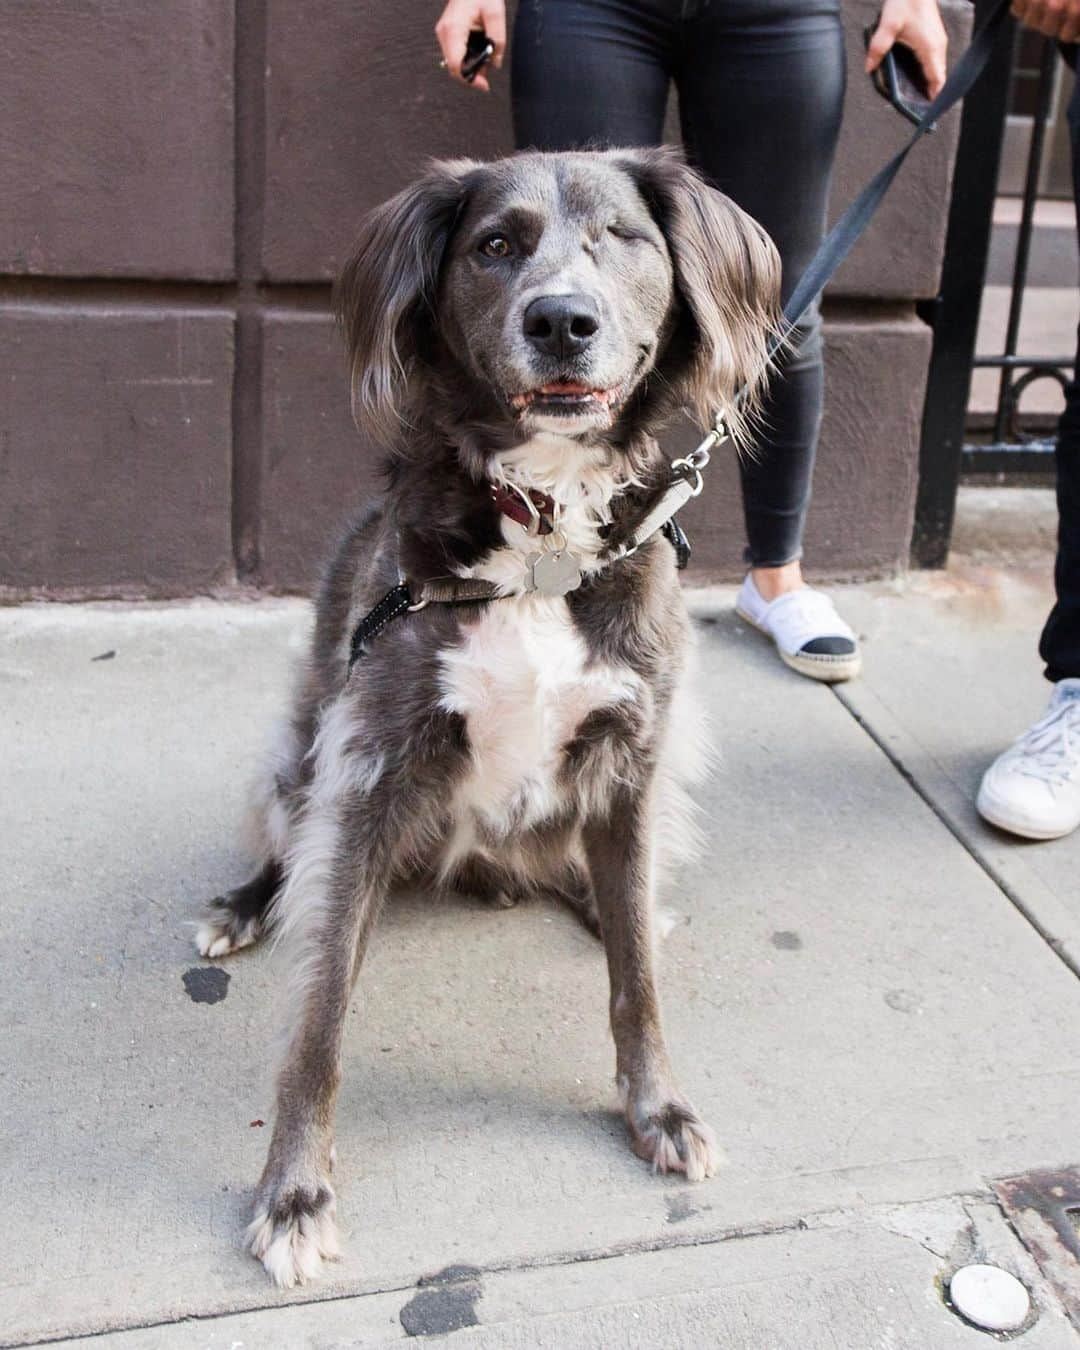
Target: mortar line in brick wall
x: 151, y: 292
x: 247, y: 442
x: 250, y: 136
x: 250, y: 174
x: 302, y: 296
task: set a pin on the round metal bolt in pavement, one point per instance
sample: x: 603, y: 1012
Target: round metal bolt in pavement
x: 990, y: 1297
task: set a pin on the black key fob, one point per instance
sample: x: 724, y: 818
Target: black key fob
x: 900, y: 79
x: 478, y: 52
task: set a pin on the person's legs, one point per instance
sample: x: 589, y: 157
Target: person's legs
x: 590, y: 72
x: 1059, y: 646
x: 1033, y: 788
x: 761, y: 86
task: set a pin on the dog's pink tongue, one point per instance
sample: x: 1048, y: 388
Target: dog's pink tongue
x: 565, y: 387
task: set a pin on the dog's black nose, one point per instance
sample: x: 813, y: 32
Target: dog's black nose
x: 561, y: 325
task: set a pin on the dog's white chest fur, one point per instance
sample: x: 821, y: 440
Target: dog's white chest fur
x: 522, y: 681
x: 521, y: 677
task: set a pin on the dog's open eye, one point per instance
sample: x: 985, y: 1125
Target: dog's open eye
x: 496, y: 246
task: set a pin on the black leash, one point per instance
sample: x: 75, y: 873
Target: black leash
x: 686, y: 473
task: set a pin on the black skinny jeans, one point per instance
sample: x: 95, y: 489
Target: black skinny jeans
x: 761, y: 89
x: 1060, y: 643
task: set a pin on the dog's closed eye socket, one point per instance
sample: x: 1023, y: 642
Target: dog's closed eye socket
x: 627, y: 234
x: 495, y: 246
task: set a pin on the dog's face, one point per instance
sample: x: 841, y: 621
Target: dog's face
x: 558, y: 289
x: 541, y: 293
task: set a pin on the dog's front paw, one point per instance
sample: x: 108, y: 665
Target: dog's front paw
x: 294, y: 1230
x: 672, y: 1136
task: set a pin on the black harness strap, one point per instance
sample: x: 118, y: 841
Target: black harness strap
x: 399, y: 600
x: 676, y: 535
x: 393, y: 604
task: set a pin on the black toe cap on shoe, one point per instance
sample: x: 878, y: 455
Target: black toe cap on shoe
x: 828, y: 646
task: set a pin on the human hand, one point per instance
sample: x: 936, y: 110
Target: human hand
x: 457, y: 20
x: 1055, y: 18
x: 917, y: 24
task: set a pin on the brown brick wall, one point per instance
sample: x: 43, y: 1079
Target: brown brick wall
x: 179, y: 181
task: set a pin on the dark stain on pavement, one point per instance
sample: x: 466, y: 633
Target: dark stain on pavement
x: 446, y: 1302
x: 787, y: 941
x: 903, y: 1000
x: 206, y: 984
x: 680, y: 1208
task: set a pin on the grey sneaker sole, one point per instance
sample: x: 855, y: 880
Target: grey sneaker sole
x: 826, y: 669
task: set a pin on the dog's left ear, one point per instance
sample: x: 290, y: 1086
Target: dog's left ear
x: 727, y: 272
x: 385, y: 296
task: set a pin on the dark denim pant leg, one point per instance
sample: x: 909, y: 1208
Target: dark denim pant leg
x: 1059, y: 646
x: 591, y: 72
x: 761, y: 89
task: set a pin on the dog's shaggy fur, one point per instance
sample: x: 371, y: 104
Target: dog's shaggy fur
x: 530, y: 743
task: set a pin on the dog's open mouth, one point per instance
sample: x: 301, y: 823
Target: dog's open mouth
x: 568, y: 395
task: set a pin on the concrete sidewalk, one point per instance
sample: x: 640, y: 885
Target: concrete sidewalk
x: 872, y: 997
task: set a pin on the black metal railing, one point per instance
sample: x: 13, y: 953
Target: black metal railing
x: 946, y: 448
x: 1011, y: 449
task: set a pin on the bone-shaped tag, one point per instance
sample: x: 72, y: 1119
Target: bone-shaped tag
x: 553, y: 573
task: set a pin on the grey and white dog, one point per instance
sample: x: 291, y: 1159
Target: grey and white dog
x: 517, y: 333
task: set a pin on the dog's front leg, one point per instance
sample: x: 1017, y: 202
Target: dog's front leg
x: 664, y: 1128
x: 294, y: 1226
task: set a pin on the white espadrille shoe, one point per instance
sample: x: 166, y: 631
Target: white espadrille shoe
x: 1033, y: 788
x: 806, y: 629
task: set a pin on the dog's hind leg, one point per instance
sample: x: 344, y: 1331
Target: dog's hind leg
x: 238, y: 918
x: 664, y: 1128
x: 482, y: 880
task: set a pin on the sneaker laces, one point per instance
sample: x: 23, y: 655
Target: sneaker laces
x: 1050, y: 750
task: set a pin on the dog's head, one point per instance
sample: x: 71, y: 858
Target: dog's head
x: 578, y: 293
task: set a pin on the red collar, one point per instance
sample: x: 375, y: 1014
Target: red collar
x: 531, y: 508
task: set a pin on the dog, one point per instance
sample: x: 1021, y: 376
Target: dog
x: 517, y: 333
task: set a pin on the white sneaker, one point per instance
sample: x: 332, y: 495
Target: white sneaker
x: 1033, y: 788
x: 809, y: 634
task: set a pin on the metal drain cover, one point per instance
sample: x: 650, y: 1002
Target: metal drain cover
x: 1042, y: 1207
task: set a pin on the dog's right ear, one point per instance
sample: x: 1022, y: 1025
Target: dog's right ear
x: 386, y: 294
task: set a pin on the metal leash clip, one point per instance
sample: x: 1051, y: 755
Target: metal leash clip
x: 413, y: 606
x: 698, y: 458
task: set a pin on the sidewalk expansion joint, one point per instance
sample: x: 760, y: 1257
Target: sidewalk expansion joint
x: 1009, y: 892
x: 818, y: 1220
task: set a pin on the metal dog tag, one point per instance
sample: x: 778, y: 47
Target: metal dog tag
x: 553, y: 573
